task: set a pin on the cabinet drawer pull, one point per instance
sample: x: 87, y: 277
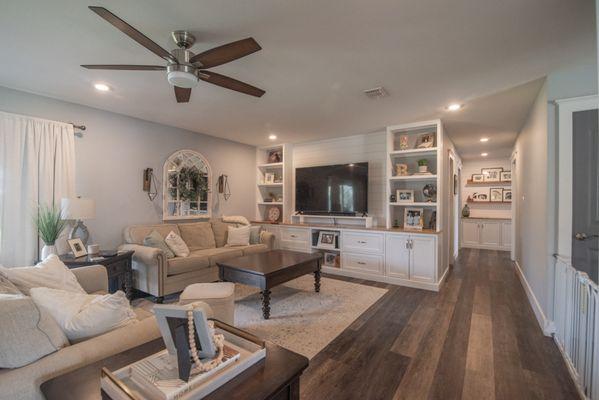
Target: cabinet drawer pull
x: 362, y: 242
x: 293, y: 236
x: 361, y: 263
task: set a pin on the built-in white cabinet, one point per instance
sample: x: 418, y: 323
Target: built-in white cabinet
x: 408, y: 259
x: 411, y: 257
x: 493, y: 234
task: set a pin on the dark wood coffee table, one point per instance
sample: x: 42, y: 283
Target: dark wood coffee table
x: 269, y: 269
x: 275, y: 377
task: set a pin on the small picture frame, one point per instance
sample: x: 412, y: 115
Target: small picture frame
x: 480, y: 196
x: 327, y: 239
x: 507, y: 195
x: 404, y: 196
x: 491, y: 174
x: 77, y: 247
x: 269, y: 178
x: 275, y: 156
x: 426, y: 141
x: 506, y: 176
x: 478, y: 178
x: 329, y: 259
x: 496, y: 194
x: 413, y: 218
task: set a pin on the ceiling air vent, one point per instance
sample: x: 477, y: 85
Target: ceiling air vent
x: 376, y: 93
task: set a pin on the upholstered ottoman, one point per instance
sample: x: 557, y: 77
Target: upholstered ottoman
x: 220, y: 296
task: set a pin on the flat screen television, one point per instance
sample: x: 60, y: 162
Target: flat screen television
x: 332, y: 189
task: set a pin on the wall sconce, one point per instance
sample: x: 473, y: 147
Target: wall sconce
x: 223, y: 187
x: 149, y: 184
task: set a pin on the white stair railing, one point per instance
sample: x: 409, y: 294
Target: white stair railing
x: 576, y: 309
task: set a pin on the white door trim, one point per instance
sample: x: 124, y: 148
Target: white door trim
x: 564, y: 175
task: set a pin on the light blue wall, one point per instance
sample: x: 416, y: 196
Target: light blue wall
x: 114, y: 151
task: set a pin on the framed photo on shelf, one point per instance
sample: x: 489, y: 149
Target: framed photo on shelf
x: 275, y: 156
x: 478, y: 178
x: 507, y: 195
x: 413, y: 218
x: 491, y: 174
x: 404, y: 196
x: 506, y: 176
x: 77, y: 247
x: 329, y: 259
x: 327, y: 240
x: 496, y: 194
x: 269, y: 177
x: 426, y: 141
x: 480, y: 197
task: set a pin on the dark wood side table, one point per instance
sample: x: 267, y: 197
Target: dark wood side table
x: 269, y: 269
x: 277, y: 377
x: 119, y: 268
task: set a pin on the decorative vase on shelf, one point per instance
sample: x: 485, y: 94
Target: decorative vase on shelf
x: 466, y: 211
x: 48, y: 250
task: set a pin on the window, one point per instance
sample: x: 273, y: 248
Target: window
x: 186, y: 186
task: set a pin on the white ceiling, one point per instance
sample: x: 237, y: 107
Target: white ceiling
x: 317, y: 58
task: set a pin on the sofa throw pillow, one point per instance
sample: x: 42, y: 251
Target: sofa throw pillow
x: 255, y: 234
x: 50, y: 273
x: 176, y: 244
x: 198, y: 235
x: 28, y: 333
x: 238, y: 236
x: 83, y: 316
x: 155, y: 240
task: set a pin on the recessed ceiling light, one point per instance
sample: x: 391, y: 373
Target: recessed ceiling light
x: 485, y: 139
x: 272, y: 137
x: 454, y: 107
x: 484, y: 154
x: 102, y: 87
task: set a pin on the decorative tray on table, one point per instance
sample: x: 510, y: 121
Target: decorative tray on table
x: 158, y: 377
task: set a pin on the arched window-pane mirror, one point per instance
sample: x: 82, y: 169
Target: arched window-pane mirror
x: 186, y: 186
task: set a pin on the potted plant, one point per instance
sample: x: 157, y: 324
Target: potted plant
x: 49, y: 224
x: 423, y: 165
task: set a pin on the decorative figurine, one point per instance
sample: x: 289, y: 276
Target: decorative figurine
x: 403, y: 142
x: 401, y: 169
x: 429, y: 191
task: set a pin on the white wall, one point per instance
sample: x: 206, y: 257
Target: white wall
x: 114, y: 151
x: 359, y: 148
x: 480, y: 210
x: 532, y: 166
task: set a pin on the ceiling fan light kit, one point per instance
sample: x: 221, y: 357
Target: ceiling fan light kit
x: 184, y: 69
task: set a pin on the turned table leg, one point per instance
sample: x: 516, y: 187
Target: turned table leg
x: 266, y: 303
x: 317, y: 280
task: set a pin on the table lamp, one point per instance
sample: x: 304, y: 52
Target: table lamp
x: 79, y: 209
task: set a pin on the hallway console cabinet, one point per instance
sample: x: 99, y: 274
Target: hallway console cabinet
x: 486, y: 233
x: 408, y: 258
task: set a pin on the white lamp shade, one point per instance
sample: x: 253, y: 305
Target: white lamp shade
x: 78, y: 208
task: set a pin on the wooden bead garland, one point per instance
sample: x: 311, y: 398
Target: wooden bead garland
x: 219, y: 342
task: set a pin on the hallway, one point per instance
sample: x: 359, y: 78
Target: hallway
x: 476, y: 339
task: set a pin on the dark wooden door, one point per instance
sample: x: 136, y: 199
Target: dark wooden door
x: 585, y: 210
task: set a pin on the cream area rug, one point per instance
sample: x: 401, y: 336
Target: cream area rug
x: 300, y: 319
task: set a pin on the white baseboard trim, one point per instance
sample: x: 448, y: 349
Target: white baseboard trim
x: 547, y: 326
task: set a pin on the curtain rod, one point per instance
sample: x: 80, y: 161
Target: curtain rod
x: 80, y: 127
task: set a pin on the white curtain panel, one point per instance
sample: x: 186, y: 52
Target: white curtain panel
x: 37, y: 166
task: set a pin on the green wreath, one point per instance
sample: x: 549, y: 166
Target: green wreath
x: 190, y: 182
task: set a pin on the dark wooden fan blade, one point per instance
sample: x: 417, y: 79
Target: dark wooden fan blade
x: 230, y: 83
x: 182, y: 94
x: 225, y: 53
x: 126, y: 67
x: 133, y: 33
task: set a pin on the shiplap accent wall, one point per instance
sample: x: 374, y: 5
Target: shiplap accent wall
x: 359, y: 148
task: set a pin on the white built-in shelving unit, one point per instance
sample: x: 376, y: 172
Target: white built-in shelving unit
x: 277, y: 193
x: 410, y: 155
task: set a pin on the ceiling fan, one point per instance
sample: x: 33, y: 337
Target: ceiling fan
x: 183, y: 67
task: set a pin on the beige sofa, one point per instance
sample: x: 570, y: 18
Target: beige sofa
x: 153, y: 273
x: 23, y: 383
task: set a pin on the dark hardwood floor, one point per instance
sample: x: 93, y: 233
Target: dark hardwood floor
x: 476, y: 339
